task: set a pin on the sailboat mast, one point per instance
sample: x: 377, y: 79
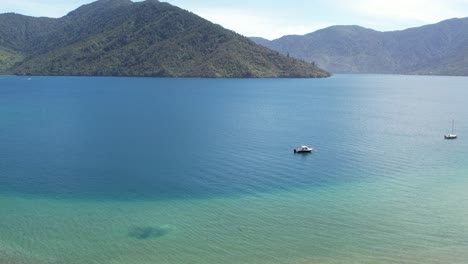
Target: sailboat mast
x: 452, y: 135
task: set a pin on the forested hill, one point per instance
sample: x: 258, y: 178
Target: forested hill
x: 123, y: 38
x: 438, y: 49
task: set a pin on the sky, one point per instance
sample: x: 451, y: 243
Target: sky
x: 272, y: 19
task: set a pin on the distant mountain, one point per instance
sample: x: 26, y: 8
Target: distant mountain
x: 439, y: 49
x: 261, y: 41
x: 150, y: 38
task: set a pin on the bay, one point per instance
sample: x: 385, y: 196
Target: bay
x: 143, y: 170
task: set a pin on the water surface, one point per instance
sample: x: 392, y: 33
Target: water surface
x: 141, y: 170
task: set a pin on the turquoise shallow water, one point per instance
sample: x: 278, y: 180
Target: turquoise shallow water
x: 116, y: 170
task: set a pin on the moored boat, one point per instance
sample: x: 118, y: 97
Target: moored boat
x: 303, y: 149
x: 451, y: 135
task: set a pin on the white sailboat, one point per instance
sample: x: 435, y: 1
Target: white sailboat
x: 451, y: 135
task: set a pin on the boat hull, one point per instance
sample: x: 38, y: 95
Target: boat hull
x: 302, y: 151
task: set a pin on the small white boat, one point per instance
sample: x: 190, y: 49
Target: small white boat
x: 451, y: 135
x: 303, y: 149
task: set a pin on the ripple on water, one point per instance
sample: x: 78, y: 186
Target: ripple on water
x: 376, y: 192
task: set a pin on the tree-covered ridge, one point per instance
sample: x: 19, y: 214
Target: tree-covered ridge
x: 432, y: 49
x: 122, y: 38
x: 8, y: 58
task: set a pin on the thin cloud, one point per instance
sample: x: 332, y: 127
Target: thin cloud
x: 300, y: 16
x: 421, y: 10
x: 273, y: 19
x: 252, y: 24
x: 43, y: 8
x: 50, y: 8
x: 398, y: 12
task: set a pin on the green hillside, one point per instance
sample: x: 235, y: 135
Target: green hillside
x: 150, y: 38
x: 8, y: 58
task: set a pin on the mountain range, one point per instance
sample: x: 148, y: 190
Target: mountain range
x: 125, y: 38
x: 437, y: 49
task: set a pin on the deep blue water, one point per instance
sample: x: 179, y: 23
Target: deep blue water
x: 139, y: 138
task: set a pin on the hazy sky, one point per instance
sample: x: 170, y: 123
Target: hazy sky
x: 272, y: 19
